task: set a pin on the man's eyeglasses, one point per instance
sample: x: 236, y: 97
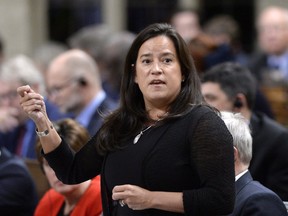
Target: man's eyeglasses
x: 57, y: 89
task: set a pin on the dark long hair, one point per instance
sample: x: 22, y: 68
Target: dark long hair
x: 129, y: 118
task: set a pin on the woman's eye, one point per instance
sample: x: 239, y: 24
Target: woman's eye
x: 167, y: 60
x: 146, y: 61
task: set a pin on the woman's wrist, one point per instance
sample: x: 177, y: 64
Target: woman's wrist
x: 45, y: 132
x: 43, y: 126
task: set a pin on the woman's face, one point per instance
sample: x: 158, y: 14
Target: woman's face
x: 158, y: 72
x: 55, y: 183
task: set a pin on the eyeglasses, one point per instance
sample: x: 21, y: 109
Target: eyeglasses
x: 11, y: 95
x: 57, y: 89
x: 271, y: 28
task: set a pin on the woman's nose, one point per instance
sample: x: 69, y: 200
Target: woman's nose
x: 156, y: 67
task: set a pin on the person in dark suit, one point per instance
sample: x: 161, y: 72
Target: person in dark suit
x: 252, y: 198
x: 17, y: 132
x: 74, y: 85
x: 231, y: 87
x: 269, y: 63
x: 18, y: 194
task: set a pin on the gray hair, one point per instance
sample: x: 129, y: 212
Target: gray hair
x: 240, y: 131
x: 91, y: 39
x: 45, y: 53
x: 22, y: 69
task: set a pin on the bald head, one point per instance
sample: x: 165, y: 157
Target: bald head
x: 75, y: 63
x: 272, y: 26
x: 73, y: 80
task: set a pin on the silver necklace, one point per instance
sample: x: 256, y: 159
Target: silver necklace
x: 137, y: 137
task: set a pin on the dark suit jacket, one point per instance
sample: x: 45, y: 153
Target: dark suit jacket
x: 17, y: 190
x: 269, y: 164
x: 253, y: 199
x: 11, y: 138
x: 258, y: 65
x: 96, y: 120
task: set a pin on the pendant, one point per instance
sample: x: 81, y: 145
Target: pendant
x: 137, y: 137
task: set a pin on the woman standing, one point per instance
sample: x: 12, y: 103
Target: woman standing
x: 161, y: 152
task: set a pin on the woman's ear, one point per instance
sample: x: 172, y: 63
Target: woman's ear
x: 135, y: 79
x: 183, y: 78
x: 133, y: 68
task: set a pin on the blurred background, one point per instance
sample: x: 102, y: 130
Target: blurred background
x: 26, y: 24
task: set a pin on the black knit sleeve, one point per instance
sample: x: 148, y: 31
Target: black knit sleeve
x: 212, y: 156
x: 73, y: 168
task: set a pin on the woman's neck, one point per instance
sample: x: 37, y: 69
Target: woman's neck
x: 157, y: 114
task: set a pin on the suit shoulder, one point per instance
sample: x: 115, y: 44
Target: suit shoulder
x: 256, y: 190
x: 261, y: 198
x: 269, y: 125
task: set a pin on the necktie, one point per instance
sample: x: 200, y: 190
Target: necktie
x: 20, y: 140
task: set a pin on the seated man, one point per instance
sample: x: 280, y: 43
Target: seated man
x: 231, y: 87
x: 78, y: 89
x: 17, y: 131
x: 18, y: 194
x: 252, y: 198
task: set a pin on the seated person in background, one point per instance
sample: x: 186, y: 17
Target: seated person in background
x: 43, y: 54
x: 93, y: 39
x: 78, y: 89
x: 116, y: 48
x: 231, y: 87
x: 17, y: 131
x: 202, y: 47
x: 74, y: 200
x: 225, y: 32
x: 252, y: 198
x: 187, y: 23
x: 269, y: 62
x: 18, y: 194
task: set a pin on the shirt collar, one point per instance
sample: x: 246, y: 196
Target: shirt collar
x: 277, y: 60
x: 85, y: 116
x: 240, y: 174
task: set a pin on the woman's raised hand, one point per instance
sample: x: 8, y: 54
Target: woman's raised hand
x: 32, y: 103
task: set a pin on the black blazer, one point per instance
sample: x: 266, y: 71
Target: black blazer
x: 253, y: 199
x: 269, y: 164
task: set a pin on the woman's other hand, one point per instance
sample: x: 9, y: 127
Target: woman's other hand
x: 135, y: 197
